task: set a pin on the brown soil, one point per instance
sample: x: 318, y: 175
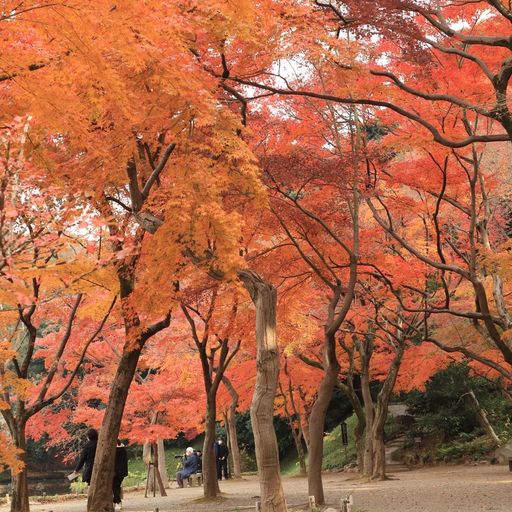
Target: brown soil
x: 445, y: 488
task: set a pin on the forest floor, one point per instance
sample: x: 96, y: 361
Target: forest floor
x: 447, y: 488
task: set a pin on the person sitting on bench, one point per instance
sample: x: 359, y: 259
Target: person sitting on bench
x: 190, y: 463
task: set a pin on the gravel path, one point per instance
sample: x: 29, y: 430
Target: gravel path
x: 439, y: 489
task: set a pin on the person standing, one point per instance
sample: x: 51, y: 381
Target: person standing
x: 120, y: 472
x: 86, y: 460
x: 221, y: 456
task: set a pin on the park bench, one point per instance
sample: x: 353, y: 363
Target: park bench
x: 195, y: 480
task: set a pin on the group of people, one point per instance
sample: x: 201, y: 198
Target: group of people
x: 192, y: 462
x: 86, y: 463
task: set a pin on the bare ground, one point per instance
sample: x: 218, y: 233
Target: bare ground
x: 444, y: 488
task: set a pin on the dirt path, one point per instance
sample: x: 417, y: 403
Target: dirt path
x: 446, y: 489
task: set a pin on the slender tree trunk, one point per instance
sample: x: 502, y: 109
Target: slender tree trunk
x: 162, y: 463
x: 146, y: 457
x: 233, y: 441
x: 297, y: 438
x: 264, y: 297
x: 210, y: 483
x: 19, y: 481
x: 482, y: 418
x: 156, y: 465
x: 316, y: 430
x: 368, y: 432
x: 100, y: 492
x: 378, y: 445
x: 359, y: 429
x: 231, y: 427
x: 359, y: 443
x: 305, y: 430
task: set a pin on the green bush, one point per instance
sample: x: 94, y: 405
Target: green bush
x: 465, y: 448
x: 78, y: 487
x: 445, y: 406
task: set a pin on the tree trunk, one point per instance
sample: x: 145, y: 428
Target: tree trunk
x: 19, y: 502
x: 100, y: 492
x: 382, y: 406
x: 305, y: 430
x: 162, y: 463
x: 379, y: 460
x: 483, y: 420
x: 231, y: 428
x: 316, y: 431
x: 146, y: 457
x: 358, y: 441
x: 264, y: 297
x: 210, y: 483
x: 368, y: 432
x: 297, y: 438
x: 158, y: 479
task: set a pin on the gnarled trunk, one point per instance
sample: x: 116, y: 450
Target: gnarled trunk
x: 19, y: 481
x: 264, y: 297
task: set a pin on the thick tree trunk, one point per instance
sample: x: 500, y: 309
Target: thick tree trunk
x: 19, y: 502
x: 100, y: 492
x: 316, y: 431
x: 264, y: 297
x: 379, y: 461
x: 210, y: 483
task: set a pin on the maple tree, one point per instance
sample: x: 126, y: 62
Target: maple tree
x: 132, y: 127
x: 214, y: 319
x: 47, y: 281
x: 129, y: 169
x: 318, y: 237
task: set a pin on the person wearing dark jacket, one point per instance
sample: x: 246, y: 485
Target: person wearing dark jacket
x: 120, y: 470
x: 190, y: 461
x: 221, y: 457
x: 86, y: 459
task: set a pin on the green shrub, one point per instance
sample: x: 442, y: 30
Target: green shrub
x: 465, y: 448
x: 78, y: 487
